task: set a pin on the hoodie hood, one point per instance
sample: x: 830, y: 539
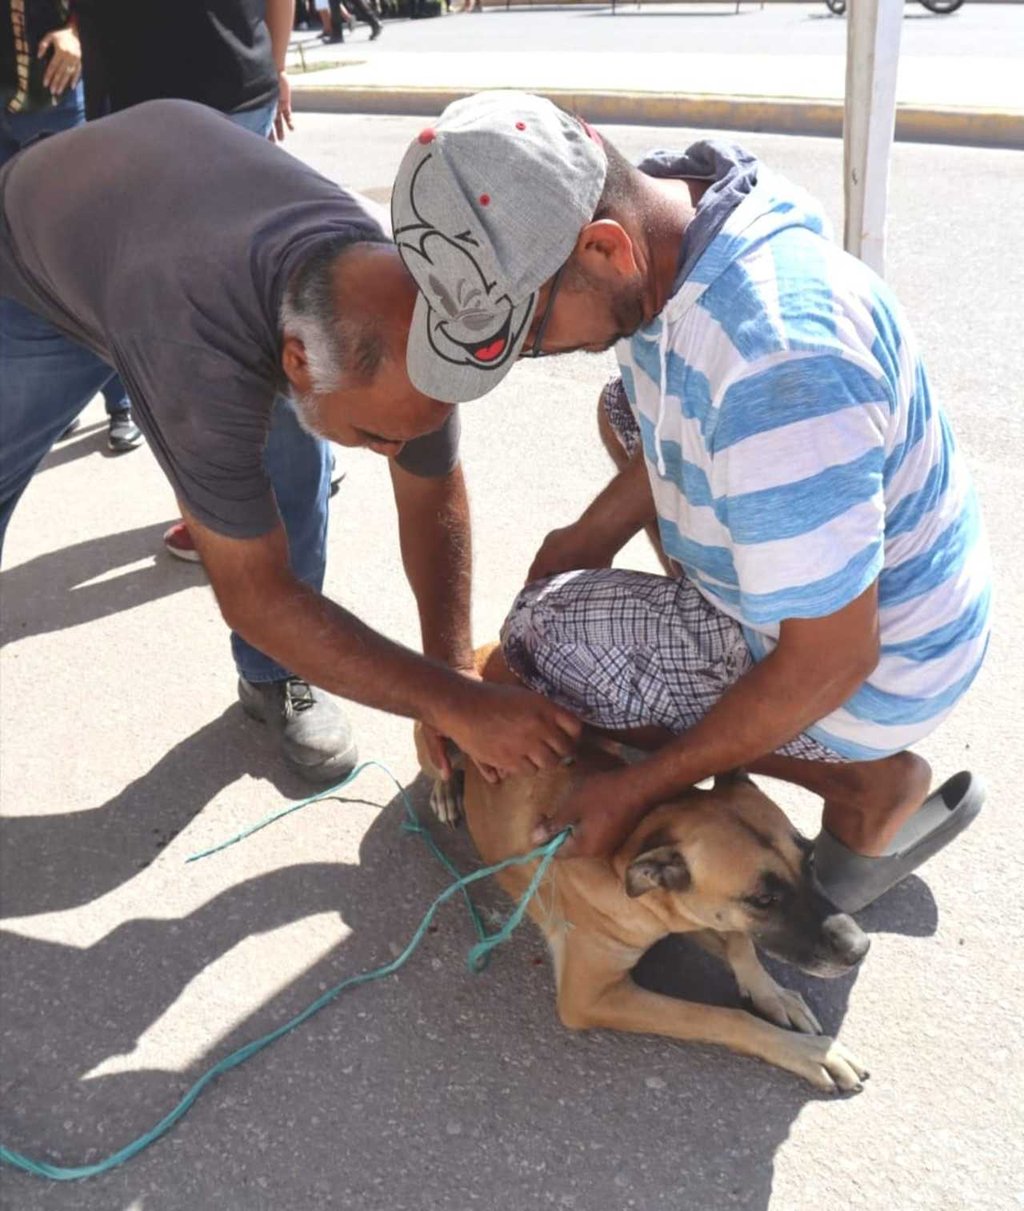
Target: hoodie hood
x: 744, y: 205
x: 732, y: 173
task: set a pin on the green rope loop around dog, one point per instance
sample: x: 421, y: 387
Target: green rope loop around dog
x: 476, y: 961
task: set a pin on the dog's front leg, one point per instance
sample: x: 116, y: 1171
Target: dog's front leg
x: 445, y: 794
x: 779, y: 1005
x: 586, y: 1001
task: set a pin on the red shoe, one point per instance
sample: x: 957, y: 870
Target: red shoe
x: 178, y: 542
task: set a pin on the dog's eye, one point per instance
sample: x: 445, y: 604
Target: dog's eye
x: 768, y: 900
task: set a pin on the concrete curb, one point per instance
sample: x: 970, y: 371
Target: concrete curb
x: 776, y: 115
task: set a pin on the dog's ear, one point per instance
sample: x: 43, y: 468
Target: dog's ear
x: 663, y: 867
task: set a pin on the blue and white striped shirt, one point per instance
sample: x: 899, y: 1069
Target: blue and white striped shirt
x: 796, y: 456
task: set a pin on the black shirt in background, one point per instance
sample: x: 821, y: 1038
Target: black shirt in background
x: 41, y: 17
x: 216, y: 52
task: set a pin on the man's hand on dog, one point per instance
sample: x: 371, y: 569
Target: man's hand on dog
x: 505, y: 730
x: 600, y: 810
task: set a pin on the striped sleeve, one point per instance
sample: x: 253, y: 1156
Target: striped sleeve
x: 797, y: 460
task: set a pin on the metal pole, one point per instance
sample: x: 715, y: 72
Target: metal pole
x: 872, y: 56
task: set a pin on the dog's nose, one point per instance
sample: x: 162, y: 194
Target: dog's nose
x: 846, y: 938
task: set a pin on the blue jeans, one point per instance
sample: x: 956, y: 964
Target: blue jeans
x: 259, y: 121
x: 299, y: 467
x: 16, y: 131
x: 46, y: 380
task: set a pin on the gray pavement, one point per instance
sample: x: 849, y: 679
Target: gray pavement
x: 778, y: 68
x: 975, y: 31
x: 125, y: 973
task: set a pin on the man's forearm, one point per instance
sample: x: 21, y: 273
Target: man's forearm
x: 623, y: 508
x: 769, y: 705
x: 280, y: 17
x: 325, y: 644
x: 435, y: 537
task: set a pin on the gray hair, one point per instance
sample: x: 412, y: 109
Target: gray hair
x: 338, y: 347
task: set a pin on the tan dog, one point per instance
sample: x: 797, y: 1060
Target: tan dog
x: 724, y: 865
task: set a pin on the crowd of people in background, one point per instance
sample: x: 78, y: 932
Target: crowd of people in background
x: 336, y: 18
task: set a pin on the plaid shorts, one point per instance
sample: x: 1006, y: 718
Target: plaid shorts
x: 615, y: 403
x: 628, y: 649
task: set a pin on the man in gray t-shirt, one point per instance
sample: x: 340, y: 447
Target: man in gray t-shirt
x: 214, y: 272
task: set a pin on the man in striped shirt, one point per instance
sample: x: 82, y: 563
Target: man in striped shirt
x: 827, y: 602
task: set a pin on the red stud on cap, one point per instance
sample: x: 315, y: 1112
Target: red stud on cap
x: 485, y: 199
x: 428, y: 135
x: 520, y: 126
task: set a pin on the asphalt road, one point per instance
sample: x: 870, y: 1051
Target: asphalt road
x: 788, y: 29
x: 125, y: 973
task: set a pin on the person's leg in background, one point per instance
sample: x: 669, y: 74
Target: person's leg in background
x: 337, y: 21
x: 365, y: 13
x: 314, y: 735
x: 323, y: 11
x: 123, y: 433
x: 47, y: 380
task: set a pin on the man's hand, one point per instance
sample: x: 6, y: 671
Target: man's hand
x: 283, y: 117
x: 569, y: 548
x: 65, y: 67
x: 600, y: 809
x: 512, y: 730
x: 437, y: 743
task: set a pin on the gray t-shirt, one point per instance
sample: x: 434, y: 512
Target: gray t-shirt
x: 162, y: 238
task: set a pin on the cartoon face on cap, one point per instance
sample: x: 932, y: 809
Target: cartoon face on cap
x: 472, y: 321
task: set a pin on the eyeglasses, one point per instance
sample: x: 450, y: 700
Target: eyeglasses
x: 535, y: 350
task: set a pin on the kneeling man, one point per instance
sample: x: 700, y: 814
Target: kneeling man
x: 828, y: 602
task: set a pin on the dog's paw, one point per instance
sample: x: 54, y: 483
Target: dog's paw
x: 782, y: 1006
x: 826, y: 1063
x: 446, y: 799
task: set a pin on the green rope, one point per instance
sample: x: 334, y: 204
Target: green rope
x: 476, y: 960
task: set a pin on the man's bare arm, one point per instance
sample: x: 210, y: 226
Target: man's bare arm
x: 302, y: 630
x: 818, y: 664
x: 619, y: 511
x: 280, y: 18
x: 436, y: 542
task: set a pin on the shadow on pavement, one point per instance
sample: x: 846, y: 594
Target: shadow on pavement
x: 52, y: 591
x: 55, y: 862
x: 430, y: 1089
x: 88, y: 439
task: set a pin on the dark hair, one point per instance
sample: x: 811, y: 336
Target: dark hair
x: 621, y: 191
x: 620, y: 196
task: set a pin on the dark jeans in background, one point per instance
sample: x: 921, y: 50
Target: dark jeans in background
x: 16, y: 132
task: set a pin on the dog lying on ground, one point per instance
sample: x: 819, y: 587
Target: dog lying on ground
x: 723, y: 865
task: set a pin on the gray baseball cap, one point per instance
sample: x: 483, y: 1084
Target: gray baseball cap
x: 487, y: 206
